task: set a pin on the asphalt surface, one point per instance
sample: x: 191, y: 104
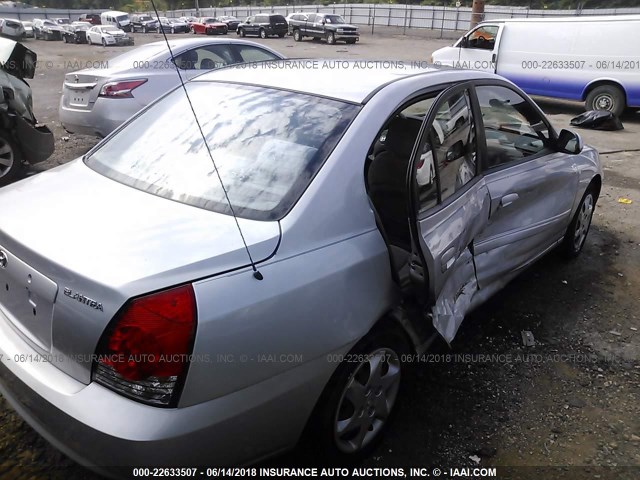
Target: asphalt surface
x: 571, y: 402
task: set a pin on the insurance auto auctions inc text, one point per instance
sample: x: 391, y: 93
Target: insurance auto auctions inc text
x: 378, y: 472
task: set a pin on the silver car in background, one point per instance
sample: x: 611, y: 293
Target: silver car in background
x: 96, y: 101
x: 208, y: 301
x: 12, y: 29
x: 28, y: 29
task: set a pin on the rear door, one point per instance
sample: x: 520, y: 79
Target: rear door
x: 449, y: 207
x: 532, y: 186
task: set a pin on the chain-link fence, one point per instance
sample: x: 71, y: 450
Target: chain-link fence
x: 371, y: 15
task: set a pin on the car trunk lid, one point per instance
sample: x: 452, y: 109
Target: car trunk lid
x: 105, y: 243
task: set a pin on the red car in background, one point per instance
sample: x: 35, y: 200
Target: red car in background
x: 209, y: 26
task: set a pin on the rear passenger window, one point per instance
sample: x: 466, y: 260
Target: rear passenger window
x: 453, y: 144
x: 252, y: 54
x: 513, y: 128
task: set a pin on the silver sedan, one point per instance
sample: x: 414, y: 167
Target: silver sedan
x: 208, y: 300
x: 96, y: 101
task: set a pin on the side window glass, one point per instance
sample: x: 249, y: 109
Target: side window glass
x: 483, y: 38
x: 311, y: 18
x: 252, y: 54
x: 513, y: 128
x: 448, y: 151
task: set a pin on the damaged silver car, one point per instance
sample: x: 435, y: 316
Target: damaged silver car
x: 22, y: 139
x: 212, y: 299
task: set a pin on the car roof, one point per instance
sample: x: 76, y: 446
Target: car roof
x: 348, y: 80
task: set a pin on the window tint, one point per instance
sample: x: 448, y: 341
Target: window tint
x: 513, y: 128
x: 253, y: 54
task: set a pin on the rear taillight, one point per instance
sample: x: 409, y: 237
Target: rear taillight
x: 144, y: 353
x: 121, y: 89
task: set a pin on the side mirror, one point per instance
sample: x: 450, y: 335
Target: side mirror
x: 464, y: 42
x: 569, y: 142
x: 324, y: 22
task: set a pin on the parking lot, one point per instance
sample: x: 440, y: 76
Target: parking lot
x: 570, y: 400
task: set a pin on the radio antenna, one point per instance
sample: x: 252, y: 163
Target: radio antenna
x: 256, y: 273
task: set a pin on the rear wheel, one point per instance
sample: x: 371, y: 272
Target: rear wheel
x: 263, y: 33
x: 606, y: 97
x: 578, y: 229
x: 297, y: 36
x: 10, y: 159
x: 356, y: 405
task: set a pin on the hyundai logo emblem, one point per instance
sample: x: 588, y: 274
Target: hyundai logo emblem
x: 3, y: 259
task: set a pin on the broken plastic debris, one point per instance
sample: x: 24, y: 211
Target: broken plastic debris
x: 474, y: 458
x: 624, y: 200
x: 527, y: 339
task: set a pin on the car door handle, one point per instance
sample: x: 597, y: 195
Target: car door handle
x: 448, y: 259
x: 509, y: 199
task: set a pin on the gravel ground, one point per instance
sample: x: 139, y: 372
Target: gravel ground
x: 570, y: 401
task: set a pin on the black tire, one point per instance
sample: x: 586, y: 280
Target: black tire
x: 281, y: 35
x: 65, y: 39
x: 578, y: 229
x: 173, y: 31
x: 331, y: 38
x: 10, y: 159
x: 89, y: 40
x: 144, y: 29
x: 297, y: 36
x: 262, y: 33
x: 104, y: 42
x: 336, y: 407
x: 241, y: 32
x: 226, y: 31
x: 607, y: 97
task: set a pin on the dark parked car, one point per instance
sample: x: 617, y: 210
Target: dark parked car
x: 324, y: 26
x: 76, y: 32
x: 92, y: 18
x: 173, y: 25
x: 232, y: 22
x: 263, y: 25
x: 144, y: 23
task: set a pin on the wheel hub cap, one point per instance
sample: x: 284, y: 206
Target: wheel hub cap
x: 583, y: 222
x: 367, y: 400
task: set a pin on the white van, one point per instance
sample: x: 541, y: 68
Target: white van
x: 117, y: 19
x: 591, y: 59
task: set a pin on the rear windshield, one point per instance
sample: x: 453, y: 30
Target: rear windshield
x: 277, y: 19
x: 267, y: 145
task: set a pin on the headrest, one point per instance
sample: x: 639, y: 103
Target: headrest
x: 401, y: 135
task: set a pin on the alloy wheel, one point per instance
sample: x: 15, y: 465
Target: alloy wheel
x: 583, y: 221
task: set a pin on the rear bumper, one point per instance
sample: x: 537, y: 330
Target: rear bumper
x: 106, y: 115
x: 99, y: 429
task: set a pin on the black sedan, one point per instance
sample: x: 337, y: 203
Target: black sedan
x: 232, y: 22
